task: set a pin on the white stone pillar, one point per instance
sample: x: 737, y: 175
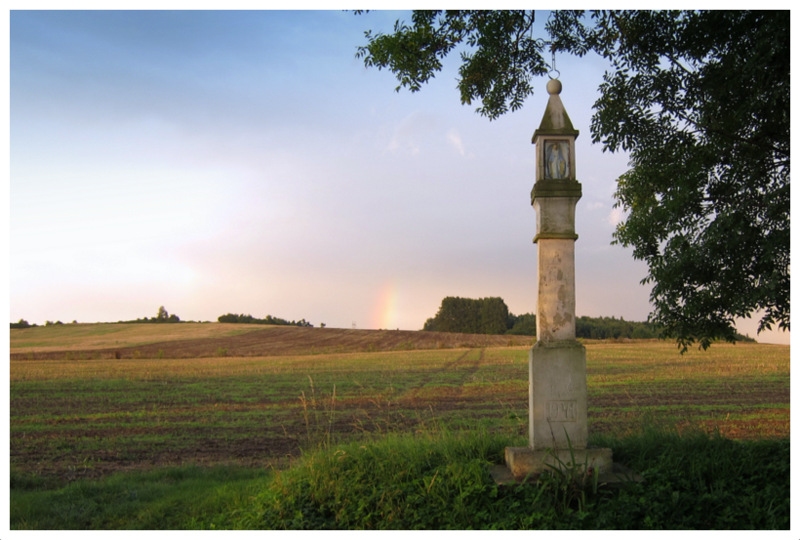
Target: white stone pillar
x: 558, y: 406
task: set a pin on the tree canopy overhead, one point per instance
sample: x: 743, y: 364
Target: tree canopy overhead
x: 698, y: 99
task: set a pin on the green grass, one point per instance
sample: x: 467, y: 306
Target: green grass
x: 434, y: 480
x: 189, y: 497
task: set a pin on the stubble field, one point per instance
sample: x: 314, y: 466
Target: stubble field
x: 89, y: 400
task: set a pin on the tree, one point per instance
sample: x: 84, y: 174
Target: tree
x: 22, y: 324
x: 163, y: 317
x: 523, y: 325
x: 494, y: 316
x: 470, y: 316
x: 699, y: 100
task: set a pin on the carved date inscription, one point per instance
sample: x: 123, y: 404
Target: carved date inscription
x: 562, y: 411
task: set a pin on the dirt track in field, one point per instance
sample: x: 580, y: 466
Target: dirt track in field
x: 289, y: 341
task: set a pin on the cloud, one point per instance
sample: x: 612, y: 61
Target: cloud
x: 411, y: 134
x: 400, y: 143
x: 616, y: 216
x: 595, y: 205
x: 454, y: 138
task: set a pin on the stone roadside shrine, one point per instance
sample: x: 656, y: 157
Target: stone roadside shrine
x: 558, y: 432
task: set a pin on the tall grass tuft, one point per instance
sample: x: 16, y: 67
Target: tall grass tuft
x: 318, y: 417
x: 424, y: 481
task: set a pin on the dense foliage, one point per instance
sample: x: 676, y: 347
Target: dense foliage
x: 269, y: 319
x: 470, y: 316
x: 522, y: 325
x: 498, y: 68
x: 700, y: 101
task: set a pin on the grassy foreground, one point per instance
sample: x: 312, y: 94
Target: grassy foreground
x: 436, y: 481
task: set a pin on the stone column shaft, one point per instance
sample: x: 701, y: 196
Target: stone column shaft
x: 557, y: 384
x: 557, y: 362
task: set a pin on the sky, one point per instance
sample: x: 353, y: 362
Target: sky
x: 218, y: 162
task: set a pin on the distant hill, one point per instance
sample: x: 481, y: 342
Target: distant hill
x: 159, y: 342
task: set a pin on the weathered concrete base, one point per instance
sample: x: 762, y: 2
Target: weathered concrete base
x: 523, y: 461
x: 617, y: 475
x: 557, y: 396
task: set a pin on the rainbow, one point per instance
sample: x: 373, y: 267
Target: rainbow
x: 385, y: 309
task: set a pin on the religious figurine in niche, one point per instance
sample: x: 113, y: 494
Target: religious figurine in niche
x: 556, y: 159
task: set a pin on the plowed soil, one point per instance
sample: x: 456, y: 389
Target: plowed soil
x: 287, y: 341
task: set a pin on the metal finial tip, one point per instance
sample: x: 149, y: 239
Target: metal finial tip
x: 553, y: 87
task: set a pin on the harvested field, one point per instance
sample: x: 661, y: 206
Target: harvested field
x: 80, y: 412
x: 220, y: 339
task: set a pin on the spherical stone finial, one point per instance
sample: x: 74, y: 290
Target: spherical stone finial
x: 553, y: 87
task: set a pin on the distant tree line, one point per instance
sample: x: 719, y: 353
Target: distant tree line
x: 613, y: 328
x: 22, y: 324
x: 491, y: 316
x: 269, y: 319
x: 522, y: 325
x: 161, y: 317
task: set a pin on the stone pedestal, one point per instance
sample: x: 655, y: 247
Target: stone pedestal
x: 557, y: 396
x: 523, y: 461
x: 557, y: 415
